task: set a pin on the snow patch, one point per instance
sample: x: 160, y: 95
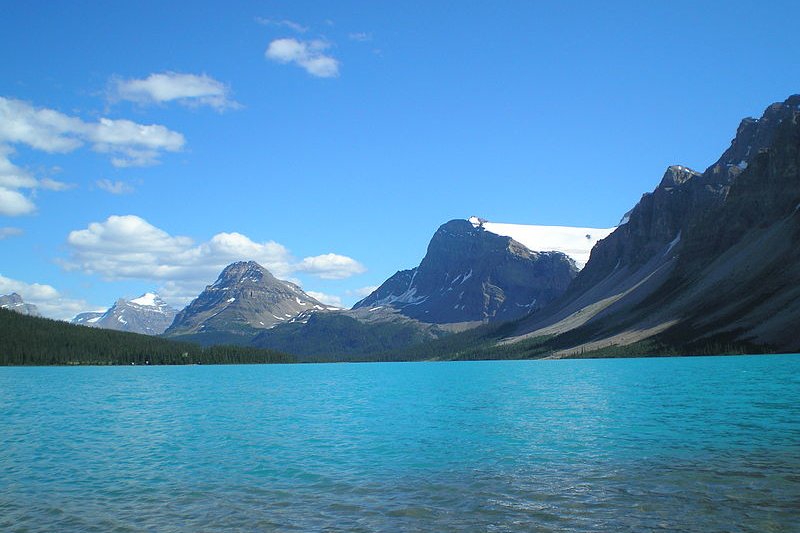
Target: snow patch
x: 409, y: 297
x: 91, y: 320
x: 122, y: 320
x: 742, y: 164
x: 577, y: 243
x: 231, y: 300
x: 147, y: 299
x: 296, y: 299
x: 674, y: 242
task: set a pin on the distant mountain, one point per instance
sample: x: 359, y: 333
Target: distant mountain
x: 14, y: 302
x: 245, y: 299
x: 707, y: 258
x: 148, y: 314
x: 470, y: 274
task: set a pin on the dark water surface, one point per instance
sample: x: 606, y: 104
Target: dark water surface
x: 687, y: 444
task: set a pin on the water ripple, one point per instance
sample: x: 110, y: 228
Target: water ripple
x: 700, y: 444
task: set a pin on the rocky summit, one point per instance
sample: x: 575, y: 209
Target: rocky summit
x: 245, y: 298
x: 148, y: 314
x: 14, y: 302
x: 470, y: 274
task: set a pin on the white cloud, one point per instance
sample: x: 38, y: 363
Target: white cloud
x: 114, y: 187
x: 132, y: 144
x: 128, y: 143
x: 331, y: 266
x: 13, y: 203
x: 50, y: 302
x: 129, y: 247
x: 9, y: 232
x: 305, y: 54
x: 43, y: 129
x: 190, y: 90
x: 294, y: 26
x: 328, y: 299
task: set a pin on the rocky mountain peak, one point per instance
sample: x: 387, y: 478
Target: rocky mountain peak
x: 244, y: 272
x: 148, y: 314
x: 14, y: 302
x: 244, y: 298
x: 677, y: 175
x: 753, y: 136
x: 470, y: 274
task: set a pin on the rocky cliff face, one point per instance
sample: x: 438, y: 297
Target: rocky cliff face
x: 148, y: 314
x: 704, y: 257
x: 470, y: 274
x: 14, y: 302
x: 245, y: 298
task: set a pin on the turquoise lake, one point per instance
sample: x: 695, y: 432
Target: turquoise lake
x: 689, y: 444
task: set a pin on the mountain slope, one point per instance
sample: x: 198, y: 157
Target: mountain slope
x: 469, y: 274
x: 706, y: 257
x: 148, y: 314
x: 244, y: 299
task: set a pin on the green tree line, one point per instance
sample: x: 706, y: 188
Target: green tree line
x: 27, y: 340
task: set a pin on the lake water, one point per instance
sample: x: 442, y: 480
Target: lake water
x: 691, y: 444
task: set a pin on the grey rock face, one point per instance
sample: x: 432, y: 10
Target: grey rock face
x: 147, y: 314
x: 245, y: 298
x: 15, y: 303
x: 709, y: 255
x: 469, y: 274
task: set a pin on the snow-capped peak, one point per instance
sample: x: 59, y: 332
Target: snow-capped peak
x: 148, y: 299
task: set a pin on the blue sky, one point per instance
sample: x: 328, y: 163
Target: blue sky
x: 144, y: 146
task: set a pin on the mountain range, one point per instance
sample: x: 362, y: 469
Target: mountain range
x: 706, y: 262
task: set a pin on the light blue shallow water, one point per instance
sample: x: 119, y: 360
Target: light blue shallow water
x: 694, y: 444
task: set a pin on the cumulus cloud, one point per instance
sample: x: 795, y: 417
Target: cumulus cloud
x: 9, y: 232
x: 190, y: 90
x: 50, y: 302
x: 328, y: 299
x: 331, y: 266
x: 128, y: 144
x: 13, y: 203
x: 114, y: 187
x: 308, y: 55
x: 129, y: 247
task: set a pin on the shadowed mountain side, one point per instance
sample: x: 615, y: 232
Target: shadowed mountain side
x: 704, y: 257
